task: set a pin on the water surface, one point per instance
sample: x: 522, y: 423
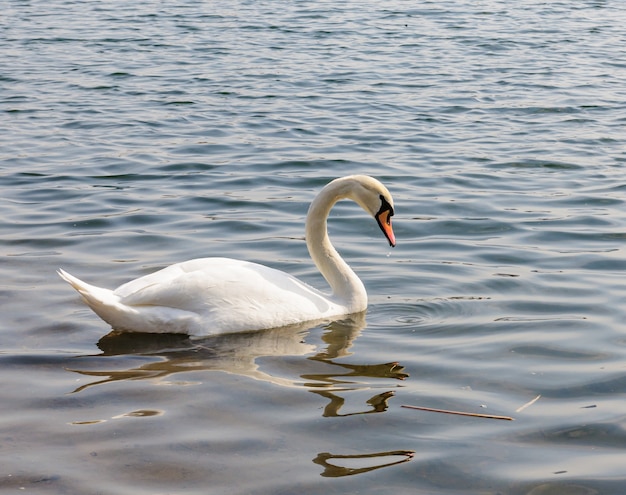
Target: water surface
x: 135, y: 136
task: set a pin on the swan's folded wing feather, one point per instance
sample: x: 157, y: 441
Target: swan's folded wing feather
x: 176, y: 286
x: 226, y: 288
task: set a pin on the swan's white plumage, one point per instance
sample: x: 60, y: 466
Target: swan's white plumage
x: 215, y: 295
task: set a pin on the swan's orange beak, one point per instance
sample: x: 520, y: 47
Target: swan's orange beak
x: 383, y: 218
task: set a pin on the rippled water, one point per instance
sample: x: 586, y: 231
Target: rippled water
x: 135, y: 136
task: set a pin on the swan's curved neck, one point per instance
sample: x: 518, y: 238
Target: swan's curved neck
x: 345, y: 284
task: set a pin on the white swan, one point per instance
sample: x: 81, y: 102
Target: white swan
x: 216, y: 295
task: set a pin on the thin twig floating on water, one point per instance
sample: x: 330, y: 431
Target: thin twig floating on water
x: 460, y: 413
x: 529, y: 403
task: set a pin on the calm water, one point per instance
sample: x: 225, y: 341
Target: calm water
x: 134, y: 136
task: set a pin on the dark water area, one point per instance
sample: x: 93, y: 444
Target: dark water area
x: 136, y: 136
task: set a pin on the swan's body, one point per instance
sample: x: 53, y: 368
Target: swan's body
x: 216, y: 295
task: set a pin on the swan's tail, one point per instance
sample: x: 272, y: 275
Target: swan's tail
x: 96, y: 298
x: 112, y: 309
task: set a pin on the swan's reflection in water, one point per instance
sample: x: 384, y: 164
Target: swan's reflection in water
x: 238, y: 353
x: 320, y: 371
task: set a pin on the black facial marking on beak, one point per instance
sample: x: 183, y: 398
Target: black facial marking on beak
x: 383, y: 217
x: 384, y: 206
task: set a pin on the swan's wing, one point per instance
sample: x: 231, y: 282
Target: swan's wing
x: 223, y: 285
x: 180, y: 284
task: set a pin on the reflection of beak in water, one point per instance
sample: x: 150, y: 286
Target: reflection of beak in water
x: 387, y: 370
x: 334, y: 471
x: 237, y: 353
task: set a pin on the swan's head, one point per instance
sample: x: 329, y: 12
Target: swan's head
x: 374, y: 198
